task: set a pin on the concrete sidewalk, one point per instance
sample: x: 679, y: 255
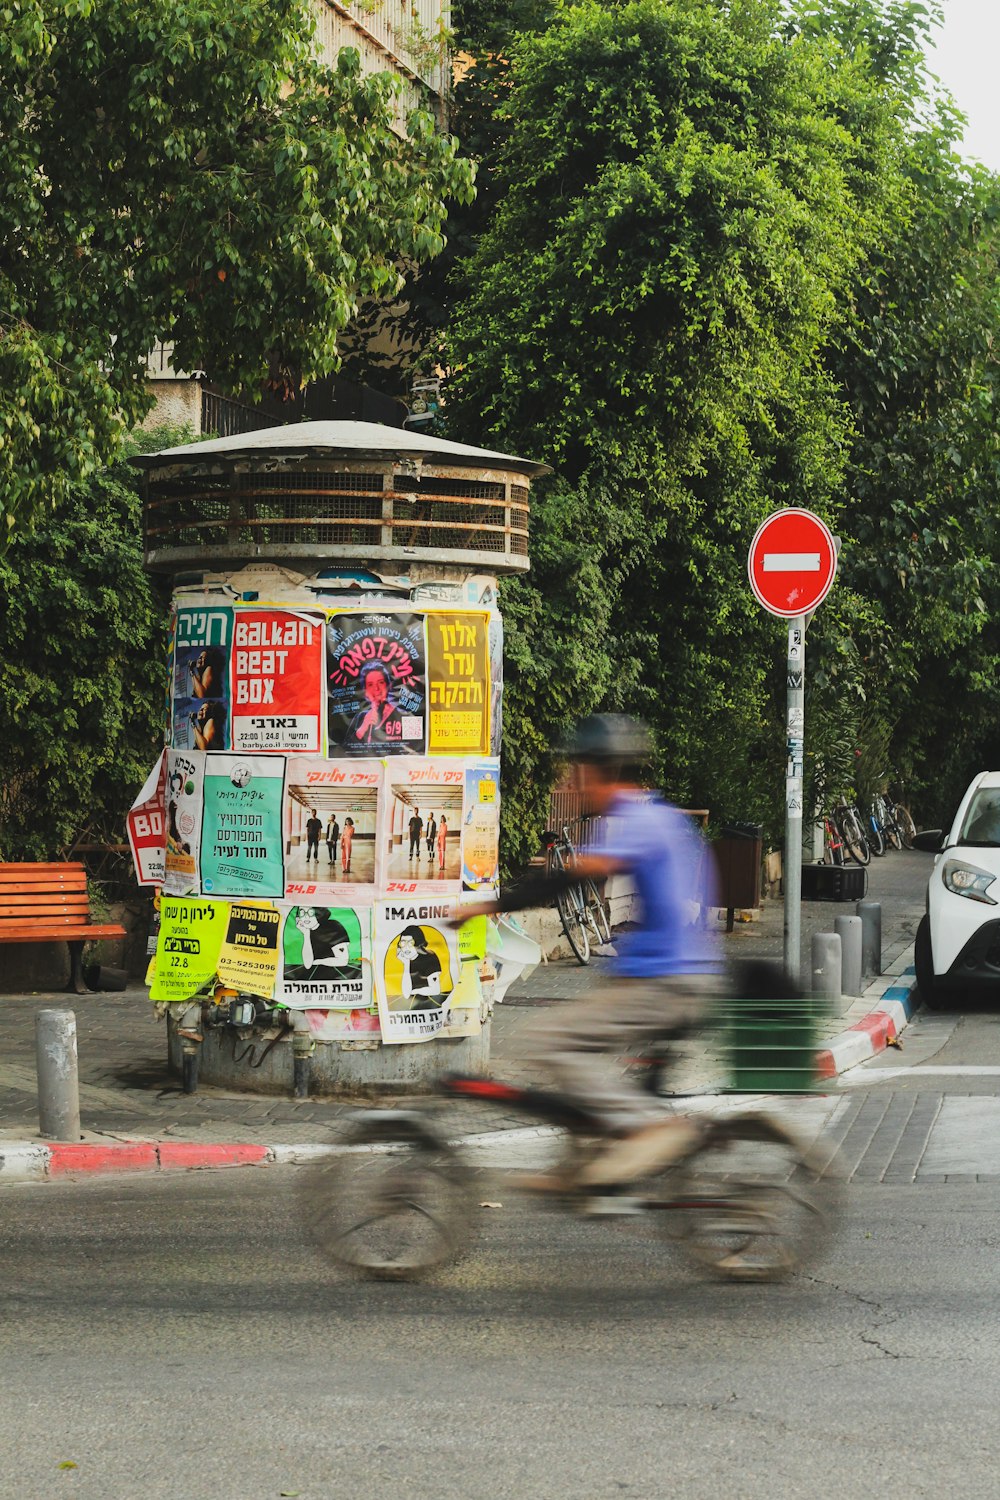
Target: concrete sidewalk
x: 127, y: 1093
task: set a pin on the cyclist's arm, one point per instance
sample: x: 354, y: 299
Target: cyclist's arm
x: 539, y: 890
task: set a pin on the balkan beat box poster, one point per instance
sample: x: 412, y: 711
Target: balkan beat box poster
x: 277, y: 680
x: 375, y: 681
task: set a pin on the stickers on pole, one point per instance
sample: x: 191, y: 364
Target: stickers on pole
x: 331, y: 830
x: 201, y: 709
x: 277, y: 680
x: 417, y: 968
x: 241, y: 852
x: 375, y: 684
x: 496, y: 683
x: 422, y: 827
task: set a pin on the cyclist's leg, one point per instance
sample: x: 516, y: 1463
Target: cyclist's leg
x: 577, y: 1044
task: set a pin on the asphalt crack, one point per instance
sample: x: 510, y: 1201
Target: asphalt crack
x: 877, y: 1309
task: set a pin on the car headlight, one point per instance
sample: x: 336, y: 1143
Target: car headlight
x: 968, y: 880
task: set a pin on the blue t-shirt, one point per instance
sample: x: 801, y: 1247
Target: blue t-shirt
x: 672, y: 868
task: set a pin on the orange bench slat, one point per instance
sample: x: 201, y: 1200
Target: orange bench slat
x: 44, y: 918
x: 72, y: 866
x: 74, y: 882
x: 41, y: 932
x: 37, y: 901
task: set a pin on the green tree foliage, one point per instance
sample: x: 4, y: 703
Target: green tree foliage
x: 918, y: 367
x: 83, y: 638
x: 186, y: 170
x: 685, y: 198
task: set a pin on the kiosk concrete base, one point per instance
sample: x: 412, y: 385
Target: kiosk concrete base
x: 353, y: 1068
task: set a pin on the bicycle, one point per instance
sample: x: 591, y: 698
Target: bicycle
x: 876, y: 829
x: 747, y: 1199
x: 903, y: 827
x: 848, y: 820
x: 581, y: 910
x: 833, y: 846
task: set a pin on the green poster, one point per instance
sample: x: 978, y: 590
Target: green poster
x: 241, y: 845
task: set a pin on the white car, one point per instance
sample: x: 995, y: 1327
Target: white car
x: 957, y: 944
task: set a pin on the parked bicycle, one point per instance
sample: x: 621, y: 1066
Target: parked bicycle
x: 747, y: 1200
x: 833, y: 844
x: 875, y: 827
x: 903, y: 827
x: 582, y: 910
x: 850, y: 826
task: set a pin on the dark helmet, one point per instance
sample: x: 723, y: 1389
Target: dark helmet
x: 616, y: 737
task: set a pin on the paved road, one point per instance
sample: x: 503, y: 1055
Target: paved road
x: 178, y: 1338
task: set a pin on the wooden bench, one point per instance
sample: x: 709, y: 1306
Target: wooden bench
x: 49, y: 904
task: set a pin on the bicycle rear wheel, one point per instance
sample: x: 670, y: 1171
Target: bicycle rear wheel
x: 756, y: 1204
x: 393, y: 1202
x: 907, y: 827
x: 874, y: 834
x: 853, y: 836
x: 888, y: 815
x: 573, y: 915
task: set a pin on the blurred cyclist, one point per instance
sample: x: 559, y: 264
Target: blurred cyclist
x: 666, y: 971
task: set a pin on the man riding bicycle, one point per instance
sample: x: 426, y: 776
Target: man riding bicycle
x: 667, y: 968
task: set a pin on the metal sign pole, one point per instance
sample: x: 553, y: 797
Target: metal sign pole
x: 796, y: 665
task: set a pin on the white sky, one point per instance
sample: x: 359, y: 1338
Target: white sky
x: 966, y: 60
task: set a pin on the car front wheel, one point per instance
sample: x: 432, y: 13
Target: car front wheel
x: 934, y: 994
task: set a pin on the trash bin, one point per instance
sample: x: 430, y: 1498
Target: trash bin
x: 738, y: 855
x: 769, y: 1031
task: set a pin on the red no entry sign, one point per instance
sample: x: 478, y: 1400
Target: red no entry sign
x: 793, y: 562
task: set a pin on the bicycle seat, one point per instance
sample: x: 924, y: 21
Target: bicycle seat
x: 550, y: 837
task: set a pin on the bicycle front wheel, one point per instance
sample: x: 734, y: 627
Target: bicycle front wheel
x: 874, y: 834
x: 756, y: 1204
x: 573, y: 915
x: 393, y: 1200
x: 907, y: 827
x: 854, y: 838
x: 597, y: 912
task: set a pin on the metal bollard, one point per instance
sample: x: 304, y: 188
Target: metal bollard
x: 302, y: 1051
x: 58, y: 1081
x: 870, y: 913
x: 849, y: 929
x: 826, y: 964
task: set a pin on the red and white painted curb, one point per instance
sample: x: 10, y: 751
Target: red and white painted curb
x: 873, y: 1032
x: 31, y: 1162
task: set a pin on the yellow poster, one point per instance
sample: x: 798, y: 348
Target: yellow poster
x: 187, y: 949
x: 458, y: 684
x: 249, y: 958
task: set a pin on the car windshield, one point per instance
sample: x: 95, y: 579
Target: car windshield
x: 981, y: 824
